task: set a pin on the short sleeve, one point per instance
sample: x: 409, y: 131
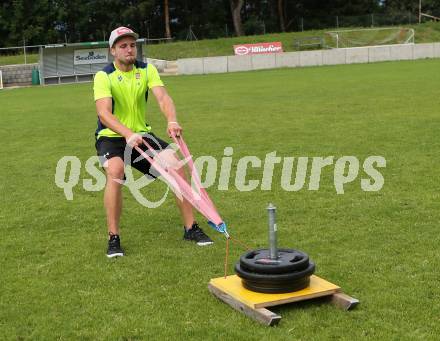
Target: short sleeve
x: 153, y: 78
x: 101, y: 86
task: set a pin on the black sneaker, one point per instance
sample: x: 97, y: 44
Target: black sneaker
x: 114, y: 247
x: 197, y: 235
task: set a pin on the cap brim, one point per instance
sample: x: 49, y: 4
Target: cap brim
x: 128, y: 34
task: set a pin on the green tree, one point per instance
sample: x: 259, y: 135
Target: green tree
x: 25, y: 21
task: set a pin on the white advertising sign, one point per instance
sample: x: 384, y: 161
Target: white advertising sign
x: 90, y: 56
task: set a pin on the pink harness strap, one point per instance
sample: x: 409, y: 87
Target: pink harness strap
x: 195, y: 176
x: 200, y: 201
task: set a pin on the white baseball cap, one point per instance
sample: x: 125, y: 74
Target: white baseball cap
x: 121, y: 32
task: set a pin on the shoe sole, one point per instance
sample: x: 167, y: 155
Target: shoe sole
x: 115, y: 255
x: 199, y: 243
x: 204, y: 243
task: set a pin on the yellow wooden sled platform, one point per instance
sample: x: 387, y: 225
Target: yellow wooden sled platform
x: 253, y: 304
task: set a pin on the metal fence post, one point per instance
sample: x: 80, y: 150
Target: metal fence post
x: 24, y: 51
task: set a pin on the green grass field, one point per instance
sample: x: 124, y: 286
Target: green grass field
x: 19, y: 59
x: 380, y: 247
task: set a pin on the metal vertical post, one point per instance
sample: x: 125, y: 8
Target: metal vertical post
x: 24, y: 50
x: 273, y: 251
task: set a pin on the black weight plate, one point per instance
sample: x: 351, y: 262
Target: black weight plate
x: 274, y: 278
x: 270, y: 288
x: 289, y: 260
x: 275, y: 283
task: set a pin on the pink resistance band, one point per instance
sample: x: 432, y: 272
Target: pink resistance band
x: 198, y: 199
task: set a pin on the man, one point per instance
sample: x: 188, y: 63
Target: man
x: 120, y: 92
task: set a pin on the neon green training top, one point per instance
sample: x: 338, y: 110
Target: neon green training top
x: 129, y: 93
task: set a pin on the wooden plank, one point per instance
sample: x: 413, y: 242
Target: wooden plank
x: 343, y: 301
x: 261, y: 315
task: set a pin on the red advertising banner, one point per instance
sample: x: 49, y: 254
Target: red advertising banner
x: 244, y: 49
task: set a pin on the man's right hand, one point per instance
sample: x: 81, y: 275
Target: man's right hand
x: 134, y: 139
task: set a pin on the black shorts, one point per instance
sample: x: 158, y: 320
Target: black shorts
x: 109, y: 147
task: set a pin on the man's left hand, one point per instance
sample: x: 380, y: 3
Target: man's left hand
x: 174, y: 129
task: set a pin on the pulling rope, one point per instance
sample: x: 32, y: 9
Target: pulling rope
x: 235, y: 240
x: 240, y: 243
x: 226, y: 257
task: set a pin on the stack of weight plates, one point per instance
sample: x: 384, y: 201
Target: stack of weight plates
x: 291, y: 271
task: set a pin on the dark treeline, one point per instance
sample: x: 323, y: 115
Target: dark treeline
x: 52, y: 21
